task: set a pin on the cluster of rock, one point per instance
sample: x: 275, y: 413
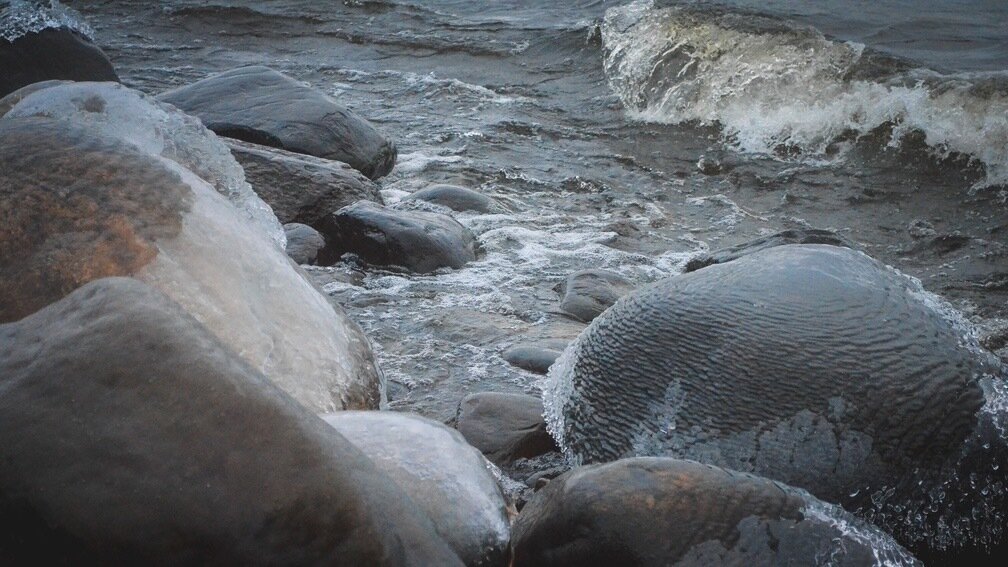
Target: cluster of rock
x: 173, y: 390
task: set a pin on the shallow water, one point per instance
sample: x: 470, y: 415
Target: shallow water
x: 604, y: 164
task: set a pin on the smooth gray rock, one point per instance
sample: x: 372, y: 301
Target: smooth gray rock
x: 504, y: 427
x: 259, y: 105
x: 132, y: 435
x: 416, y: 240
x: 791, y: 236
x: 448, y: 479
x: 533, y: 358
x: 814, y: 365
x: 653, y: 512
x: 456, y: 198
x: 587, y: 293
x: 301, y: 188
x: 303, y: 242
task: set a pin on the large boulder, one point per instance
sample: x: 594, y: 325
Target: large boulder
x: 449, y: 480
x: 657, y: 512
x: 43, y: 41
x: 456, y: 198
x: 301, y: 188
x: 259, y: 105
x: 416, y: 240
x: 154, y: 127
x: 80, y: 201
x: 504, y: 427
x: 814, y: 365
x: 587, y: 293
x: 132, y: 435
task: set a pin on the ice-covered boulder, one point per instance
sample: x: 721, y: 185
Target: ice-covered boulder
x: 131, y: 435
x: 263, y: 106
x: 80, y: 200
x: 155, y: 128
x: 448, y: 479
x: 40, y: 41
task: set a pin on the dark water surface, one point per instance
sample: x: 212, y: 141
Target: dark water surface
x: 628, y: 137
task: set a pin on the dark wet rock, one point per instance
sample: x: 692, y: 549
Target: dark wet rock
x: 533, y: 358
x: 79, y: 202
x: 59, y: 53
x: 941, y: 244
x: 456, y: 198
x: 132, y: 435
x: 303, y: 242
x: 504, y: 427
x: 262, y: 106
x: 416, y: 240
x: 587, y: 293
x: 657, y: 512
x: 301, y: 188
x: 449, y: 480
x: 809, y: 364
x: 791, y: 236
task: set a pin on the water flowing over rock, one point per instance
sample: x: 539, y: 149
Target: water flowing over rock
x: 657, y: 512
x: 259, y: 105
x: 813, y: 365
x: 504, y: 427
x: 448, y: 479
x: 132, y: 435
x: 79, y: 202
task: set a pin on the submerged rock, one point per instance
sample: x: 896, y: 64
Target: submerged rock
x: 658, y: 512
x: 448, y: 479
x: 416, y: 240
x: 504, y: 427
x: 45, y: 41
x: 132, y: 435
x: 80, y: 201
x: 587, y: 293
x: 303, y: 242
x: 301, y: 188
x: 259, y: 105
x: 810, y: 364
x: 456, y: 198
x: 791, y: 236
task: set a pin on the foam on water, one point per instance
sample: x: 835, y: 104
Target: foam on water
x: 780, y: 89
x: 22, y: 17
x: 159, y: 129
x: 887, y: 553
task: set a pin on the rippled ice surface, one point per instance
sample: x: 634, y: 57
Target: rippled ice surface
x: 514, y: 99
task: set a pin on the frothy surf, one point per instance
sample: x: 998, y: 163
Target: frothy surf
x: 22, y: 17
x: 787, y: 90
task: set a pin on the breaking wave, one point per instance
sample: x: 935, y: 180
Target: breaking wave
x: 22, y: 17
x: 787, y: 90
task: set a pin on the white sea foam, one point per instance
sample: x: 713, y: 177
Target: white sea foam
x: 775, y: 87
x: 22, y: 17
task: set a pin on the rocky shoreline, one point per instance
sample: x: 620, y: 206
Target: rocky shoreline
x: 175, y: 387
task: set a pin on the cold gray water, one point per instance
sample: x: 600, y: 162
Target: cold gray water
x: 628, y: 136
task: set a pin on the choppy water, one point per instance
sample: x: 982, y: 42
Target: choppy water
x: 628, y: 136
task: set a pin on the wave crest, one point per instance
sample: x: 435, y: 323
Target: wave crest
x: 782, y: 89
x: 22, y: 17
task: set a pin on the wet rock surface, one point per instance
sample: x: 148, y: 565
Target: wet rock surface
x: 51, y: 54
x: 532, y: 357
x: 448, y: 479
x: 303, y: 242
x: 587, y: 293
x: 298, y: 187
x: 456, y: 198
x: 263, y: 106
x: 504, y: 427
x: 132, y: 435
x: 656, y: 512
x: 416, y: 240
